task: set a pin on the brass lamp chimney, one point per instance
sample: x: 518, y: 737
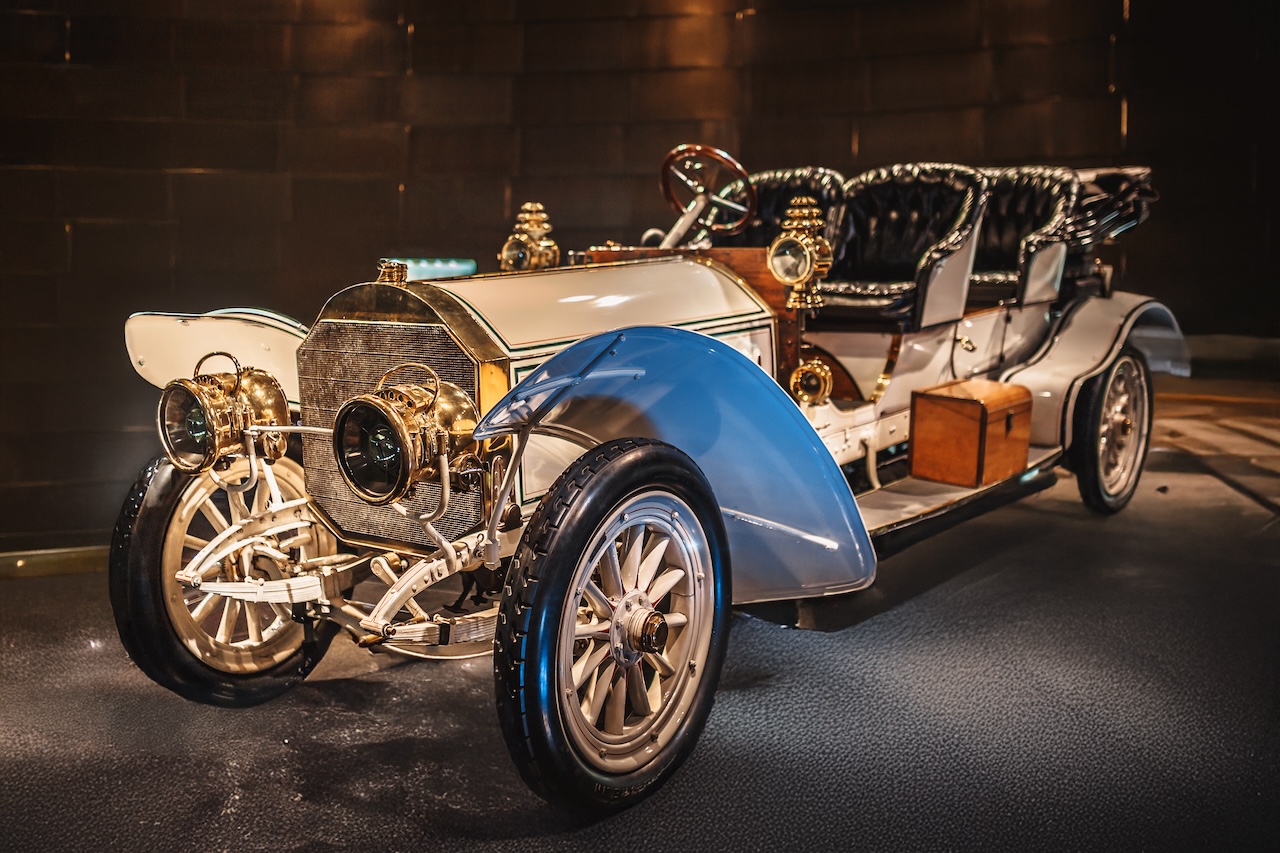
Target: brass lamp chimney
x: 528, y: 247
x: 800, y: 255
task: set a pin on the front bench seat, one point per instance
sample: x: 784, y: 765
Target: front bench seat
x: 1024, y: 238
x: 909, y: 235
x: 775, y: 189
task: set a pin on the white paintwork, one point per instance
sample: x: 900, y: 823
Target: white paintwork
x: 1025, y: 332
x: 163, y: 346
x: 1044, y: 275
x: 548, y: 309
x: 1086, y: 340
x: 984, y: 332
x: 863, y: 354
x: 948, y: 288
x: 923, y: 360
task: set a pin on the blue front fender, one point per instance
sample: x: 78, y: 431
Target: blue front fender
x: 793, y: 525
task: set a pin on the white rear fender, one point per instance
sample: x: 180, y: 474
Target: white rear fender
x: 163, y: 347
x: 1088, y: 339
x: 793, y: 526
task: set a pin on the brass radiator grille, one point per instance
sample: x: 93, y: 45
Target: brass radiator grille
x: 343, y: 358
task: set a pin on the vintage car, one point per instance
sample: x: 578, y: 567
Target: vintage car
x: 585, y: 461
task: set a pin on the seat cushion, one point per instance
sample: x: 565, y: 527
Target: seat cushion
x: 1021, y: 201
x: 896, y: 215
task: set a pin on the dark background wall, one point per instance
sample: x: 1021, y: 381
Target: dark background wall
x: 197, y: 154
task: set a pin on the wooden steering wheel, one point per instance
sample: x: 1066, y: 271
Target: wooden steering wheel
x: 703, y: 170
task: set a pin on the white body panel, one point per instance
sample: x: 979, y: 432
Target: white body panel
x: 542, y: 312
x: 949, y: 284
x: 163, y: 347
x: 1044, y: 275
x: 1086, y: 340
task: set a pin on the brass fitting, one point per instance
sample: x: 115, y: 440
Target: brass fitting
x: 528, y: 247
x: 800, y: 255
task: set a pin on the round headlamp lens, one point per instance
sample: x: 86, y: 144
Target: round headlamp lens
x: 515, y: 254
x: 186, y: 428
x: 369, y: 451
x: 790, y: 260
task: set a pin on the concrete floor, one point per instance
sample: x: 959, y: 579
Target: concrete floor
x: 1036, y: 679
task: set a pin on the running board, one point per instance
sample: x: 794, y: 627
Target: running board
x: 904, y: 512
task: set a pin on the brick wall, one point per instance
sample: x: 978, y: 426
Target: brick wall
x: 196, y: 154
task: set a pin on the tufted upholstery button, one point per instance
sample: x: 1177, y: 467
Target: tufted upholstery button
x: 1028, y: 208
x: 900, y: 223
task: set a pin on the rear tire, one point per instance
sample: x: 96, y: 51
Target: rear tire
x: 613, y: 627
x: 1113, y: 433
x: 203, y: 646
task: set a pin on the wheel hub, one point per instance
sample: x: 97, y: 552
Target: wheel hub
x: 636, y: 629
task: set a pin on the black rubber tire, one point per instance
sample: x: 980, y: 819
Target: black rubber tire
x: 526, y: 640
x: 1084, y: 455
x: 137, y: 602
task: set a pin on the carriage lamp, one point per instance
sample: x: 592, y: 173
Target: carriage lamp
x: 527, y: 248
x: 389, y: 440
x: 204, y: 418
x: 812, y: 382
x: 800, y: 254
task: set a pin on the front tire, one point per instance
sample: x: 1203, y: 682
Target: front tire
x: 1113, y: 433
x: 613, y: 627
x: 203, y: 646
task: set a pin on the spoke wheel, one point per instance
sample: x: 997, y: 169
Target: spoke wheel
x: 234, y: 636
x: 635, y: 628
x: 613, y: 627
x: 1113, y: 433
x: 199, y: 644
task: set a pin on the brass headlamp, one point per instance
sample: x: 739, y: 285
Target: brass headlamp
x: 204, y: 418
x: 800, y: 255
x: 391, y: 439
x: 527, y: 248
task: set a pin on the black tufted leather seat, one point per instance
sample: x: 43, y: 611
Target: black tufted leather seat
x: 775, y: 189
x: 1028, y: 211
x: 900, y: 223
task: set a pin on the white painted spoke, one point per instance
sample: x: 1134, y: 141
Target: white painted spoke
x: 205, y: 607
x: 210, y: 511
x: 638, y: 692
x: 665, y: 584
x: 260, y: 495
x: 611, y: 573
x: 282, y: 612
x: 655, y: 693
x: 227, y: 627
x: 590, y: 661
x: 615, y: 709
x: 595, y: 630
x: 631, y: 562
x: 195, y: 543
x: 599, y: 602
x: 676, y: 620
x: 235, y: 500
x: 652, y: 562
x: 599, y: 692
x: 660, y: 664
x: 252, y: 624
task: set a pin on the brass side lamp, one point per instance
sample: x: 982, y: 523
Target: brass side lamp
x: 528, y: 248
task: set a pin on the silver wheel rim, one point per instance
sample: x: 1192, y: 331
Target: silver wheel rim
x: 232, y: 636
x: 624, y: 685
x: 1122, y: 427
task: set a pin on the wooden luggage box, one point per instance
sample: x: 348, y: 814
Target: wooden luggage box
x: 973, y: 432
